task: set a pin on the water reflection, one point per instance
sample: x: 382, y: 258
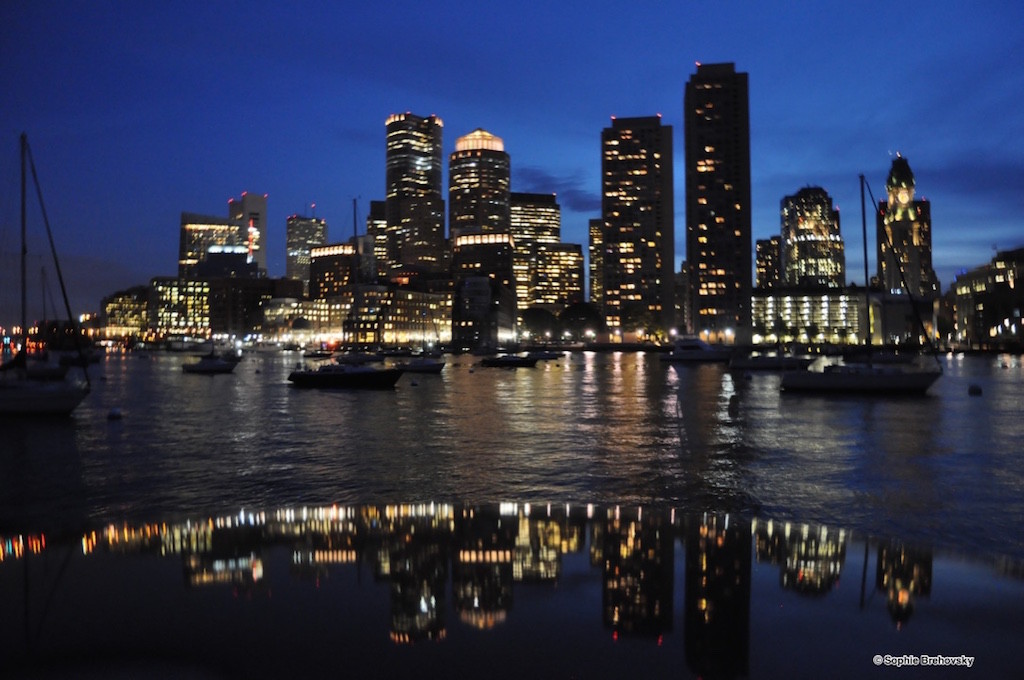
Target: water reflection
x: 446, y: 574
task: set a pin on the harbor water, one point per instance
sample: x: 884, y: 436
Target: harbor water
x: 445, y: 527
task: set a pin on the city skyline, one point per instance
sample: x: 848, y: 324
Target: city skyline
x: 179, y: 112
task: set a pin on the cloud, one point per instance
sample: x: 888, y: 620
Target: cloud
x: 570, y: 189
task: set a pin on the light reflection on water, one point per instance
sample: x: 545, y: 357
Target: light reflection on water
x: 443, y: 590
x: 605, y: 428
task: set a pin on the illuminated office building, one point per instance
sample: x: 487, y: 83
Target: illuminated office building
x: 904, y: 237
x: 596, y: 265
x: 768, y: 257
x: 330, y: 270
x: 478, y: 185
x: 200, y: 233
x: 180, y: 307
x: 988, y: 304
x: 556, y: 277
x: 815, y: 316
x: 377, y: 231
x: 484, y: 300
x: 812, y: 247
x: 414, y: 207
x: 716, y: 121
x: 638, y: 226
x: 535, y: 219
x: 302, y: 234
x: 251, y: 212
x: 126, y: 313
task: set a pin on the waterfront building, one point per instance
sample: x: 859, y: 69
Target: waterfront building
x: 988, y: 303
x: 556, y: 276
x: 484, y: 303
x: 478, y: 186
x: 812, y: 253
x: 200, y: 233
x: 904, y: 237
x: 126, y: 314
x: 237, y: 304
x: 250, y: 210
x: 414, y: 206
x: 535, y: 220
x: 638, y: 227
x: 767, y: 258
x: 302, y: 234
x: 904, y: 255
x: 716, y: 121
x: 179, y: 307
x: 377, y: 230
x: 331, y: 270
x: 595, y: 249
x: 814, y: 316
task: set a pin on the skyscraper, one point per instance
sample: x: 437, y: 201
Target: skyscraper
x: 767, y: 257
x: 638, y: 225
x: 201, y: 233
x: 812, y: 247
x: 478, y: 185
x: 414, y: 207
x: 904, y: 230
x: 536, y: 220
x: 251, y: 211
x: 301, y: 235
x: 716, y: 120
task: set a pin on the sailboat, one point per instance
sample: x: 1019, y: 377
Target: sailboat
x: 21, y: 392
x: 865, y: 377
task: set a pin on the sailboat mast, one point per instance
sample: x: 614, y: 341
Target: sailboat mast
x: 867, y: 299
x: 24, y: 248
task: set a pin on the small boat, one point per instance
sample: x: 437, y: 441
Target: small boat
x: 692, y: 349
x: 210, y: 364
x: 347, y: 376
x: 770, y: 362
x: 509, y: 361
x: 862, y: 378
x: 545, y: 355
x: 422, y: 365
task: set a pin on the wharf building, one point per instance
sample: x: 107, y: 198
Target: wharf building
x: 987, y: 304
x: 302, y: 234
x: 910, y: 287
x: 716, y: 121
x: 637, y: 229
x: 250, y: 210
x: 414, y: 204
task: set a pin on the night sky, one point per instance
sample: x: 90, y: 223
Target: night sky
x: 137, y: 111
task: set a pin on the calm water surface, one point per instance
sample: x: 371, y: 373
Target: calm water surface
x: 622, y: 477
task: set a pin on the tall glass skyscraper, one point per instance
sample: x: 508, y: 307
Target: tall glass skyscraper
x: 478, y: 185
x: 251, y: 211
x: 716, y: 119
x: 414, y: 206
x: 302, y: 234
x: 638, y: 226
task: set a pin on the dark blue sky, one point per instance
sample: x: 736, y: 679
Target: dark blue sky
x: 137, y: 111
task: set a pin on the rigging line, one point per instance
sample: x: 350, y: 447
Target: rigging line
x: 56, y: 262
x: 906, y: 287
